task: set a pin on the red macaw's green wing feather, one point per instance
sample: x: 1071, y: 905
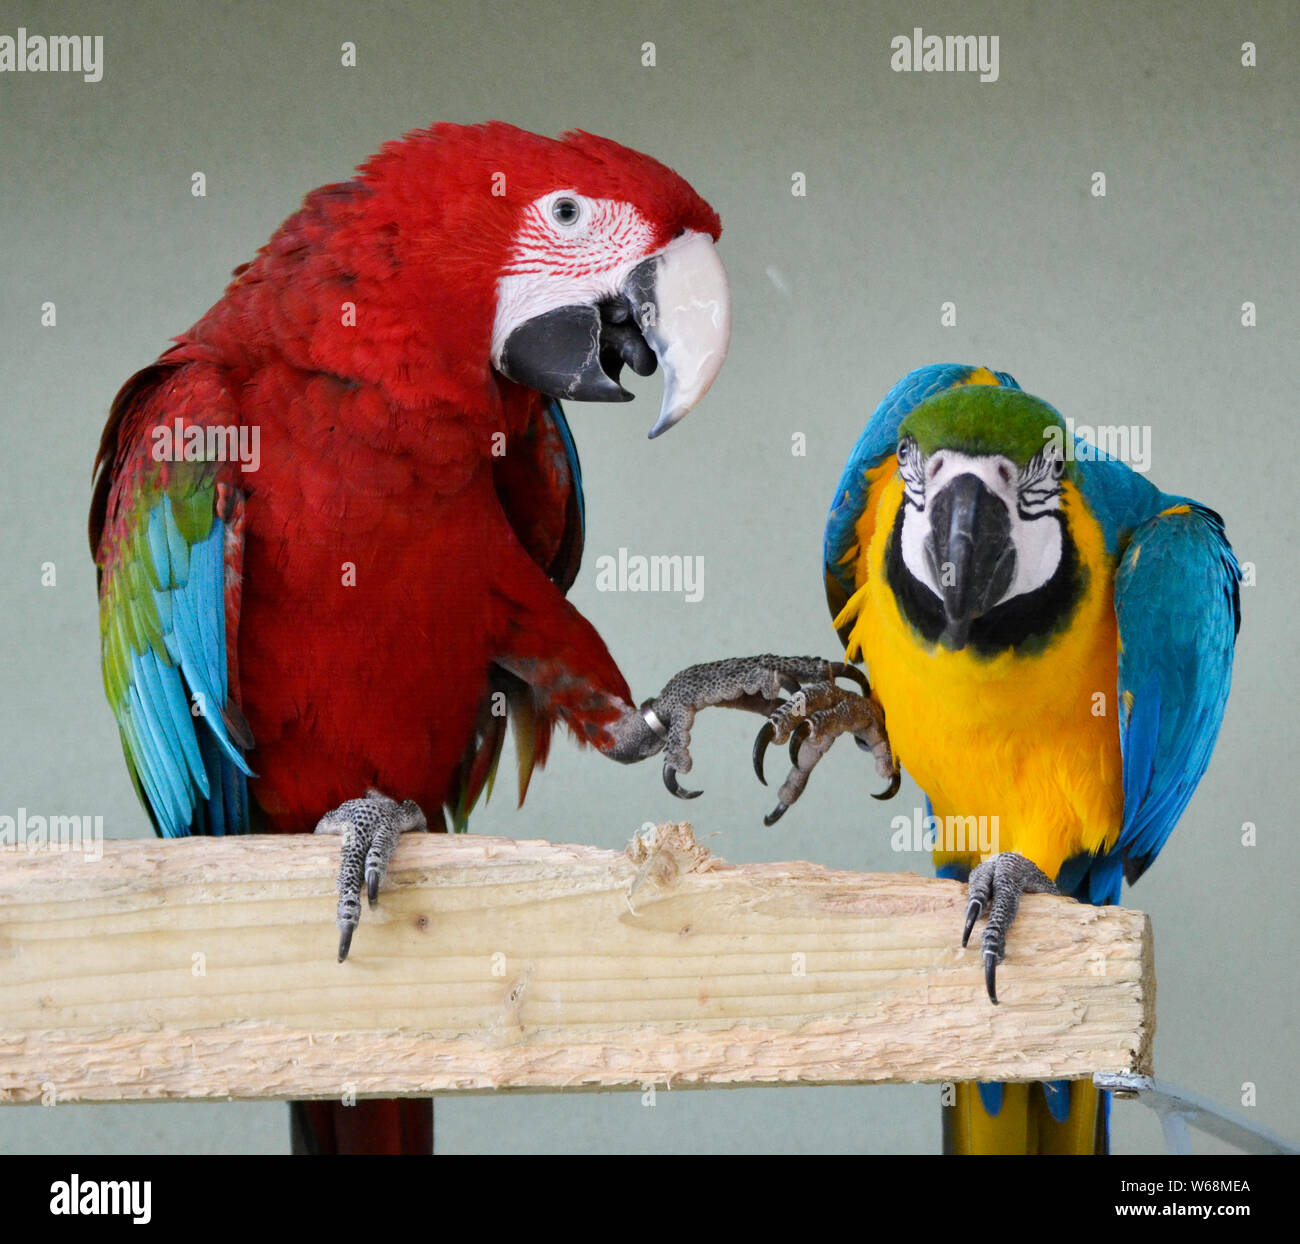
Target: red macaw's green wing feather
x: 166, y: 529
x: 539, y: 484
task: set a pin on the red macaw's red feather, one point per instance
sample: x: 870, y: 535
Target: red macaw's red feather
x: 385, y: 570
x: 398, y: 1125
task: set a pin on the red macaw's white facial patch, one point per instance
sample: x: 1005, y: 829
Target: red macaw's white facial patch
x: 590, y: 287
x: 568, y: 250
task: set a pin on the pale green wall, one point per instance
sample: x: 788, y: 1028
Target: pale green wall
x: 921, y: 188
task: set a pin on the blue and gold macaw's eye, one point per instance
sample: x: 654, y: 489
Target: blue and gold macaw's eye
x: 1040, y: 481
x: 911, y: 466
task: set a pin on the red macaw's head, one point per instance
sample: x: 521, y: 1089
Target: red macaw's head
x: 554, y: 262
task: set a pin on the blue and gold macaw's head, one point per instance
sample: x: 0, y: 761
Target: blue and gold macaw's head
x: 981, y: 553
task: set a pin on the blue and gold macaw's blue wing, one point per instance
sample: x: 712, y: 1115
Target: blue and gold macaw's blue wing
x: 1178, y: 611
x: 872, y: 459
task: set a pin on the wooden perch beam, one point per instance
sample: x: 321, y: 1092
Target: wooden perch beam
x: 205, y: 968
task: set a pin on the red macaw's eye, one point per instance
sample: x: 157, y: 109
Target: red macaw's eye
x: 565, y: 211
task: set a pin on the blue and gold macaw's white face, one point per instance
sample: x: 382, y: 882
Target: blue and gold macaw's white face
x: 981, y: 554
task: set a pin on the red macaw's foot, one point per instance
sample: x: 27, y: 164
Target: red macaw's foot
x: 370, y: 828
x: 995, y: 887
x: 758, y: 685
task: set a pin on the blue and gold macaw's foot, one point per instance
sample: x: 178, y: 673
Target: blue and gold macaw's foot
x: 757, y: 685
x: 811, y: 720
x: 370, y: 828
x: 995, y: 887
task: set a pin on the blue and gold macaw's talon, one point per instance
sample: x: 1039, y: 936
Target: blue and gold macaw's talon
x: 895, y: 778
x: 801, y: 732
x: 811, y: 721
x: 995, y: 887
x: 838, y: 669
x: 370, y: 829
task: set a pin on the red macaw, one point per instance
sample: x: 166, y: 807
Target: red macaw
x: 341, y: 512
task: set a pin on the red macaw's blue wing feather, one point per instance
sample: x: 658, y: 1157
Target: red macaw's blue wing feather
x: 539, y: 483
x: 875, y: 446
x: 167, y: 536
x: 1178, y: 608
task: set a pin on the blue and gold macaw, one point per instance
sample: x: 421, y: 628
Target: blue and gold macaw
x: 1050, y: 637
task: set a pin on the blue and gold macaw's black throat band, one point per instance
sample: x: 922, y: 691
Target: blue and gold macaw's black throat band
x: 1025, y: 623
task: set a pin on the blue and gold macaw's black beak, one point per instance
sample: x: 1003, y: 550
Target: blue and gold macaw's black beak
x: 673, y: 310
x: 970, y: 553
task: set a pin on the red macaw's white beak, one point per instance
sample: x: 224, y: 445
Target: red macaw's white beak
x: 672, y: 310
x: 682, y: 304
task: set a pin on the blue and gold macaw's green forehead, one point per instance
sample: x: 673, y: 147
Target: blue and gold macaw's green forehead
x: 984, y: 420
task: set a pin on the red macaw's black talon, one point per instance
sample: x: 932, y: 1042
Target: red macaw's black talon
x: 814, y: 712
x: 840, y: 670
x: 670, y: 781
x: 801, y: 732
x: 775, y: 815
x: 765, y: 736
x: 345, y: 944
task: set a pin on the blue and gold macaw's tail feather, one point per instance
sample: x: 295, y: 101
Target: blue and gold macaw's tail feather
x: 1058, y: 1116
